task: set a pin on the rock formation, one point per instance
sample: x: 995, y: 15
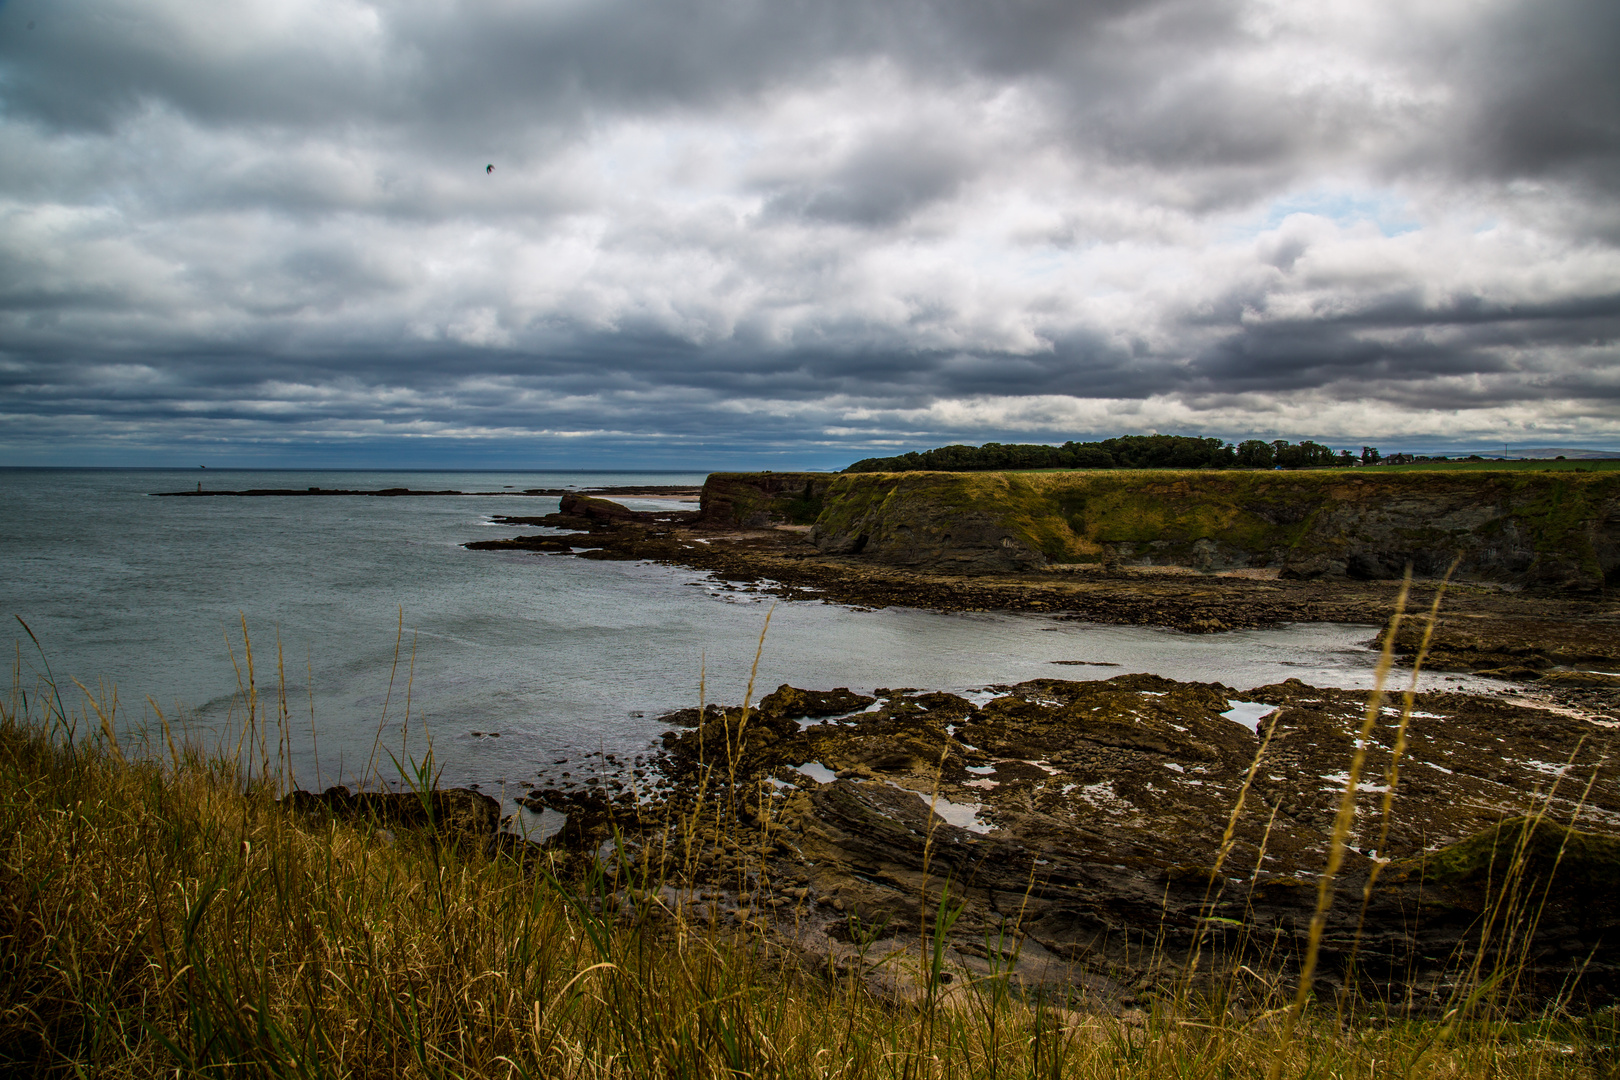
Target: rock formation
x: 1091, y: 826
x: 1553, y: 530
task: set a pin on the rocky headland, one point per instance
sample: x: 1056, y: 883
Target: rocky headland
x: 1534, y: 600
x: 1551, y: 530
x: 1103, y: 834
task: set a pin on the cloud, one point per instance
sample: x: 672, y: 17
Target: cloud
x: 814, y: 229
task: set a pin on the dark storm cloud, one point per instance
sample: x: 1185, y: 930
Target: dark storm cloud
x: 460, y: 62
x: 878, y: 184
x: 1399, y: 338
x: 805, y: 224
x: 1545, y: 94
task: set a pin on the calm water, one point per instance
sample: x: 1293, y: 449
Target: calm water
x: 558, y: 655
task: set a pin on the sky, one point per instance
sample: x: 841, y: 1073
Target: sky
x: 740, y: 233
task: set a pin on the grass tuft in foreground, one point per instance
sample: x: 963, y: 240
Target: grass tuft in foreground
x: 163, y: 916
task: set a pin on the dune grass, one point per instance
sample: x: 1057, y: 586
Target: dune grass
x: 162, y: 914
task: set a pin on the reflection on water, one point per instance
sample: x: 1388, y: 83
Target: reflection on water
x: 816, y: 771
x: 962, y: 815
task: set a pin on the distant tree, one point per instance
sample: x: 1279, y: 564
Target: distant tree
x: 1123, y: 452
x: 1370, y: 455
x: 1167, y: 452
x: 1313, y: 455
x: 1088, y: 456
x: 1254, y: 454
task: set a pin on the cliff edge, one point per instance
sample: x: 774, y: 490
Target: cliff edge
x: 1558, y: 531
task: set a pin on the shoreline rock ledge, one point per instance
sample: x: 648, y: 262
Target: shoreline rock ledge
x: 1084, y: 821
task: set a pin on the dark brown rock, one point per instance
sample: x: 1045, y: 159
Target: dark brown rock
x: 788, y: 700
x: 595, y: 510
x: 528, y: 543
x: 1098, y: 811
x: 756, y: 500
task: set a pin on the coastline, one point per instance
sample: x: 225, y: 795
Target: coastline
x: 1089, y: 815
x: 681, y: 492
x: 1484, y: 627
x: 1071, y: 862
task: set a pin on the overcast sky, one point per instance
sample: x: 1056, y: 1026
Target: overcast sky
x: 800, y: 232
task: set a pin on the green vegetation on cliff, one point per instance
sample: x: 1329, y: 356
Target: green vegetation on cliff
x: 1556, y: 529
x: 1182, y: 452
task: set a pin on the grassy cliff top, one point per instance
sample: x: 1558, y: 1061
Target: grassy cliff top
x: 1343, y: 482
x: 1363, y: 473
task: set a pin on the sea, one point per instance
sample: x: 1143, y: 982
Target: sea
x: 377, y: 638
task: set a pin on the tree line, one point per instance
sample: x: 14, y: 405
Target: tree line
x: 1124, y: 452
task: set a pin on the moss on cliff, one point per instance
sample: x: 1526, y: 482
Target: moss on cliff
x: 1549, y: 528
x: 1504, y: 851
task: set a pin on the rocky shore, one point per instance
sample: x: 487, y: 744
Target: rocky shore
x: 1115, y: 839
x: 1087, y: 834
x: 1485, y: 627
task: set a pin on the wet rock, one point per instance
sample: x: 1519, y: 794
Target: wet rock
x: 591, y: 814
x: 554, y: 544
x: 1579, y: 678
x: 1090, y: 816
x: 595, y: 510
x: 788, y: 700
x: 1516, y: 674
x: 744, y: 741
x: 1537, y: 852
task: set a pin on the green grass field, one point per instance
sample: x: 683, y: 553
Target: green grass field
x: 1498, y: 466
x: 1426, y: 466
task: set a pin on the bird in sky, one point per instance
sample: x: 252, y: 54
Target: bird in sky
x: 488, y: 169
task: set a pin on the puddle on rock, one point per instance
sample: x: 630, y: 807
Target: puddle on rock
x: 1248, y: 713
x: 816, y: 771
x: 962, y: 815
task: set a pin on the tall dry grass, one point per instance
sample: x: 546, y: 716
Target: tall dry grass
x: 162, y: 914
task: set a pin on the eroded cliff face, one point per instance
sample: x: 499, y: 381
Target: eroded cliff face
x: 1556, y: 531
x: 754, y: 500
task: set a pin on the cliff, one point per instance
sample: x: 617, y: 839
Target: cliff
x: 1555, y: 530
x: 753, y: 500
